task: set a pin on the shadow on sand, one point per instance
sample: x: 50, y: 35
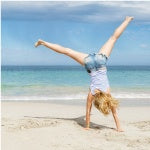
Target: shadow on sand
x: 80, y: 121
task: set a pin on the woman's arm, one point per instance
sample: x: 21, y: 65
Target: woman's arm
x: 114, y: 113
x: 88, y: 109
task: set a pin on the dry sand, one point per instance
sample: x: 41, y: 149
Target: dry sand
x: 51, y: 126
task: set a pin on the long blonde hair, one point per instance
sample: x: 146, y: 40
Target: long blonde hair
x: 104, y: 102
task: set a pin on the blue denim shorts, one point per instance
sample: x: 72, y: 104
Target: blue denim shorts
x: 95, y: 61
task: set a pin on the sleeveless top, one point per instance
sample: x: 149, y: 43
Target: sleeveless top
x: 99, y: 80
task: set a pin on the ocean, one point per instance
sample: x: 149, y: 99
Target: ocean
x: 70, y: 82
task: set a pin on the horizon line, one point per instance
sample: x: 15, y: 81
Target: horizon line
x: 69, y: 65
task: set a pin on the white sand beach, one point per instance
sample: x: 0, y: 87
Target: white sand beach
x: 56, y: 126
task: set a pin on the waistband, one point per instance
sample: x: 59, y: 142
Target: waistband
x: 98, y: 69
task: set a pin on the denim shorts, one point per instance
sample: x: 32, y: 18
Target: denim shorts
x: 95, y: 61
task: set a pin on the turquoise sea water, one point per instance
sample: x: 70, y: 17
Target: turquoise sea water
x: 70, y: 82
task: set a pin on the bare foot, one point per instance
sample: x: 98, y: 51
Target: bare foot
x: 129, y: 18
x: 39, y: 42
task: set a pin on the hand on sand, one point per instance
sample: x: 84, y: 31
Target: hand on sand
x: 39, y: 42
x: 119, y: 130
x: 130, y: 18
x: 86, y: 128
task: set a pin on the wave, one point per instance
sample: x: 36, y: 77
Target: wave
x: 131, y: 95
x: 74, y: 96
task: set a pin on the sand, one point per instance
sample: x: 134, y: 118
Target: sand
x: 57, y: 126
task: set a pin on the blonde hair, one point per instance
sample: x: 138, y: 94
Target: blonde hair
x: 104, y: 102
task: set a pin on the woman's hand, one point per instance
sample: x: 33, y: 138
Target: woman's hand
x: 119, y: 130
x: 87, y: 128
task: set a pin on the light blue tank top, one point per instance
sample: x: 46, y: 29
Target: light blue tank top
x: 99, y: 80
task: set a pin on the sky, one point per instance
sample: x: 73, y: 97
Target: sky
x: 81, y: 26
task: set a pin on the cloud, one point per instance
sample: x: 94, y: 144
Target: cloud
x: 87, y: 11
x: 144, y: 46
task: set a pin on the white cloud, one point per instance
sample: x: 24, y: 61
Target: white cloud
x: 143, y: 45
x: 87, y: 11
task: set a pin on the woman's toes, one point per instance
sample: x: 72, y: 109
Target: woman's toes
x: 38, y: 43
x: 129, y: 18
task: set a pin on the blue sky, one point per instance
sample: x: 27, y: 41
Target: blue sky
x: 82, y: 26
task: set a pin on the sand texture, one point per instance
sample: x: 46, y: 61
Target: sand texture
x: 50, y: 126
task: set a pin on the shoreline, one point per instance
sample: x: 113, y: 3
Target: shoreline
x: 124, y: 102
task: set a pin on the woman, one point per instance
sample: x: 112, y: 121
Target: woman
x: 95, y: 64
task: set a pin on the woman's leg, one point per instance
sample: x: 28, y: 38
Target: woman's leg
x: 78, y: 56
x: 108, y: 46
